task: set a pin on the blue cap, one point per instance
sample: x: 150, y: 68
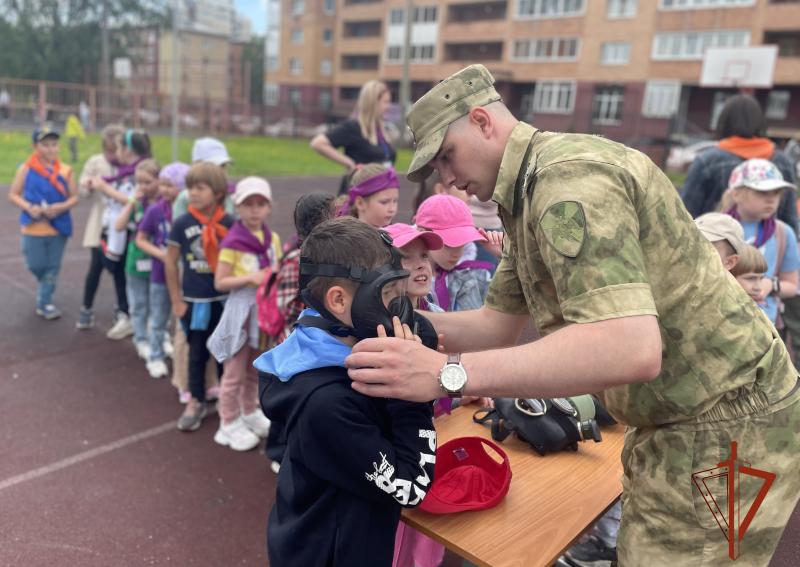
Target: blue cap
x: 43, y: 132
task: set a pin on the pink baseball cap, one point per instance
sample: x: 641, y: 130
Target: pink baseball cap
x: 402, y: 234
x: 450, y: 218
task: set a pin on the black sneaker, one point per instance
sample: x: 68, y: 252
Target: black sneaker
x: 591, y: 553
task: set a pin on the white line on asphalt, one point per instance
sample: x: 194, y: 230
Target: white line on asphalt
x: 87, y: 455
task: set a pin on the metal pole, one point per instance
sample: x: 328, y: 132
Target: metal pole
x: 405, y: 82
x: 174, y: 80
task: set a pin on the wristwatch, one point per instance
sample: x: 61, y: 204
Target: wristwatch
x: 776, y: 286
x: 453, y: 376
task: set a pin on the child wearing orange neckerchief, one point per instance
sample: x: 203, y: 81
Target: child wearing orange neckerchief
x: 194, y: 240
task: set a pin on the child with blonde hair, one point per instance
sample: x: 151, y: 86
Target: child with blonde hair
x: 373, y: 195
x: 138, y: 263
x: 749, y: 272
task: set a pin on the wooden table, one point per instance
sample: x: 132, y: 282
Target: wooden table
x: 551, y: 502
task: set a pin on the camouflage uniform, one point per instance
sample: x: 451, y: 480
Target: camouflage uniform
x: 595, y: 231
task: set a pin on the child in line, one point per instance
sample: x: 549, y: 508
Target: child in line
x: 309, y: 211
x: 373, y: 195
x: 351, y: 461
x: 749, y: 272
x: 246, y: 258
x: 726, y: 235
x: 132, y: 147
x: 460, y: 281
x: 194, y: 240
x: 756, y: 187
x: 138, y: 264
x: 206, y: 150
x: 45, y: 191
x: 152, y: 239
x: 100, y: 165
x: 484, y: 215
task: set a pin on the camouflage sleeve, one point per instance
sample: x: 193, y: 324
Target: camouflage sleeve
x: 586, y: 223
x: 505, y: 292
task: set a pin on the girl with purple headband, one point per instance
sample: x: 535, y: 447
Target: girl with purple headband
x: 373, y: 195
x: 151, y: 238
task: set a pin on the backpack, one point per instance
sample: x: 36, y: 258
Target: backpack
x: 271, y: 319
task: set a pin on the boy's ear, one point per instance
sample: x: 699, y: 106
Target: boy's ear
x: 730, y: 262
x: 337, y: 301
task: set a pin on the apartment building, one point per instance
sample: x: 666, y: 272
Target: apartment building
x: 627, y: 69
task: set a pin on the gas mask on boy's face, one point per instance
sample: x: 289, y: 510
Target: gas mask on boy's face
x: 381, y: 295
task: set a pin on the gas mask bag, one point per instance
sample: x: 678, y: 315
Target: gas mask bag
x: 381, y: 295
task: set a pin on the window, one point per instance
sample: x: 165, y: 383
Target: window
x: 661, y: 99
x: 788, y: 42
x: 325, y: 67
x: 615, y: 53
x: 691, y: 45
x: 424, y: 14
x: 702, y: 4
x: 272, y: 63
x: 546, y: 49
x: 394, y: 53
x: 272, y: 94
x: 298, y: 7
x: 777, y: 105
x: 327, y: 35
x: 295, y: 96
x: 554, y: 97
x: 295, y: 66
x: 296, y: 36
x: 397, y: 16
x: 329, y: 6
x: 607, y: 104
x: 542, y: 9
x: 325, y: 99
x: 621, y: 9
x: 421, y: 53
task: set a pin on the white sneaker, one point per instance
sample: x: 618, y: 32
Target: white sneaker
x: 143, y: 350
x: 168, y: 349
x: 157, y: 369
x: 236, y: 436
x: 257, y: 422
x: 122, y: 328
x: 275, y: 467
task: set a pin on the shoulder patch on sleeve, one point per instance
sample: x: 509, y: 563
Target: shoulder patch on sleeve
x: 564, y: 226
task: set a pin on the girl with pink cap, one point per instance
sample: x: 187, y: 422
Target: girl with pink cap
x: 373, y: 195
x: 460, y: 281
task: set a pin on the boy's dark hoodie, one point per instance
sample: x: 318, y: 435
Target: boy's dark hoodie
x: 351, y: 461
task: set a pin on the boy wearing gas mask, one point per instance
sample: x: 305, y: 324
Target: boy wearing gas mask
x: 351, y: 462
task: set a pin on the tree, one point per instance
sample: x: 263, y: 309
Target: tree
x: 60, y: 40
x: 253, y: 56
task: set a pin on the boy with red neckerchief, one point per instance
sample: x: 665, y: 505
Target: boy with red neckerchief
x: 194, y: 239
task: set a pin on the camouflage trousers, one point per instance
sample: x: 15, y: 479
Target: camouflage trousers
x: 666, y: 521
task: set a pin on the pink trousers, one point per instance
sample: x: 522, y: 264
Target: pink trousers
x: 239, y: 388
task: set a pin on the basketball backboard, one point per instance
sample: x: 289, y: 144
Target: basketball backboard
x: 751, y: 67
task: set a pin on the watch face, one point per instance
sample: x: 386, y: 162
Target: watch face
x: 453, y: 377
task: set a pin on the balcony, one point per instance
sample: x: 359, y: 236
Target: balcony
x: 360, y: 62
x: 482, y: 51
x: 362, y: 28
x: 481, y: 12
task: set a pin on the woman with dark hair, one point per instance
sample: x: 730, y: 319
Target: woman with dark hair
x: 741, y: 129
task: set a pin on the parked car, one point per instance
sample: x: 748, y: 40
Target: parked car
x: 681, y: 157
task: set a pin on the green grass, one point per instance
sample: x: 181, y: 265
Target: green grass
x: 268, y: 157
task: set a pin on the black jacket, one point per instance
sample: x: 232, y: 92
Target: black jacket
x: 351, y: 463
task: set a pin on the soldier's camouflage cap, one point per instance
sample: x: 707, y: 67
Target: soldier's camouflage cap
x: 448, y: 101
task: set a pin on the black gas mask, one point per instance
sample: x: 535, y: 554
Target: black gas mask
x: 371, y: 306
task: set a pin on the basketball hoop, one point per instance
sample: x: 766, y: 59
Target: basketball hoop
x: 743, y: 67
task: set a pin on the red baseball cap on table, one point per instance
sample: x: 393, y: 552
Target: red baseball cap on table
x: 467, y: 477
